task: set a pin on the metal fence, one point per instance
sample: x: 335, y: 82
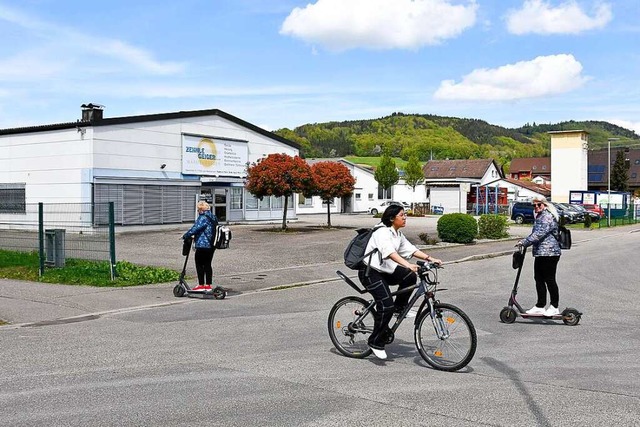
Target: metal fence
x: 58, y: 231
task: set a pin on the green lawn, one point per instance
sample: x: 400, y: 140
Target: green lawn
x: 24, y: 266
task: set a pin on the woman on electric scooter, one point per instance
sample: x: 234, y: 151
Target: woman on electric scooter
x: 546, y: 252
x: 202, y: 231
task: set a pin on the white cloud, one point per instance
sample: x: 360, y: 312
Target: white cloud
x: 379, y: 24
x: 542, y: 76
x: 634, y: 126
x: 64, y: 42
x: 540, y: 17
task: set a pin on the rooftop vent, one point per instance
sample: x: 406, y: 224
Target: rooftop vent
x: 91, y: 112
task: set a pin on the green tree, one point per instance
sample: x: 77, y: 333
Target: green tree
x: 330, y: 180
x: 279, y: 175
x: 413, y: 174
x: 620, y: 173
x: 386, y: 174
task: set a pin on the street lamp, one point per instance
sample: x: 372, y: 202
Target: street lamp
x: 609, y: 180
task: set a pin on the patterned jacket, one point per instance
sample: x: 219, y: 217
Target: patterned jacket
x: 542, y: 237
x: 202, y: 229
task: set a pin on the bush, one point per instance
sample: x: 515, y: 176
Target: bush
x: 587, y: 221
x: 492, y: 227
x: 428, y: 240
x: 457, y: 228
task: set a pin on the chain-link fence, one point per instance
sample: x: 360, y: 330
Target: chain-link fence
x: 58, y: 231
x: 620, y: 214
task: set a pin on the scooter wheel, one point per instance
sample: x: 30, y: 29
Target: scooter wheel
x: 571, y: 316
x: 508, y: 315
x: 219, y: 293
x: 178, y: 291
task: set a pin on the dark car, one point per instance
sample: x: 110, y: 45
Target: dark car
x: 567, y: 214
x: 593, y: 215
x: 522, y: 212
x: 578, y: 213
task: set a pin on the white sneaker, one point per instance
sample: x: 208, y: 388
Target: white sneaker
x: 551, y: 311
x: 536, y: 311
x: 380, y: 354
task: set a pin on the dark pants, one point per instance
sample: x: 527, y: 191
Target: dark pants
x: 378, y: 286
x: 544, y: 273
x: 203, y: 259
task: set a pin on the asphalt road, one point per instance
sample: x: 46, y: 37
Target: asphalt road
x: 263, y: 358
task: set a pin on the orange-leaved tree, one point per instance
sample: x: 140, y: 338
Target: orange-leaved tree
x: 279, y: 175
x: 331, y: 179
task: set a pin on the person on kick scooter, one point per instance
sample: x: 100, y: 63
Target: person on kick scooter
x: 546, y: 252
x: 202, y: 231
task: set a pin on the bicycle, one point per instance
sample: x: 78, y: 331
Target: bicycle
x: 444, y: 335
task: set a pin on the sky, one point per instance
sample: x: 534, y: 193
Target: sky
x: 285, y: 63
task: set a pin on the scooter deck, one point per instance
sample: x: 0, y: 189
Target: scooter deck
x: 542, y: 316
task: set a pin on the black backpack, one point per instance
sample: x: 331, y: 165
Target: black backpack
x: 354, y: 254
x: 564, y: 237
x: 221, y: 237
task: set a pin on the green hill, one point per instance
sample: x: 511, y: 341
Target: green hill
x: 429, y: 136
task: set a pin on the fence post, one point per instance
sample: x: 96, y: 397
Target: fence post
x: 112, y: 241
x: 41, y: 238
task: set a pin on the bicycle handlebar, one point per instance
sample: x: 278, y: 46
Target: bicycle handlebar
x: 424, y: 265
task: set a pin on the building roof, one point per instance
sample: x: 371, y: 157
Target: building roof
x: 148, y: 118
x: 448, y: 169
x: 545, y: 190
x: 535, y: 165
x: 340, y: 160
x: 567, y: 131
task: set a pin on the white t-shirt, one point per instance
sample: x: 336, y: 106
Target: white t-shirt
x: 388, y: 241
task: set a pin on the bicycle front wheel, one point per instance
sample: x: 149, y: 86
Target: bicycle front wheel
x: 447, y: 342
x: 348, y: 329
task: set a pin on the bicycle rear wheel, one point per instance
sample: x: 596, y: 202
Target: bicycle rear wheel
x: 348, y: 334
x: 458, y: 344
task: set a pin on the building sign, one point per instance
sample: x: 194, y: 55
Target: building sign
x: 214, y: 156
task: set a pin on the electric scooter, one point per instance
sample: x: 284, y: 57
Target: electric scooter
x: 570, y: 316
x: 183, y: 288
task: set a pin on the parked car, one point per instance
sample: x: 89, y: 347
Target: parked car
x: 375, y: 210
x: 578, y: 214
x: 567, y: 213
x: 522, y: 212
x: 595, y: 209
x: 593, y: 215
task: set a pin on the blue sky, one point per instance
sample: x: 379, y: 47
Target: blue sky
x: 284, y: 63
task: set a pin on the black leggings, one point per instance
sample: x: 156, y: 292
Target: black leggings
x: 203, y: 258
x: 544, y: 273
x: 378, y: 285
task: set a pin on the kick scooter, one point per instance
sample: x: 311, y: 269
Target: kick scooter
x: 570, y: 316
x: 183, y: 288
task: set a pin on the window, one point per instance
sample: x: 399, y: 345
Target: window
x: 12, y: 198
x: 358, y: 196
x: 252, y: 202
x: 384, y: 193
x: 370, y: 196
x: 304, y: 201
x: 236, y: 198
x: 634, y: 175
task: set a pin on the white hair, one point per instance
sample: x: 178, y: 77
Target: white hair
x: 548, y: 205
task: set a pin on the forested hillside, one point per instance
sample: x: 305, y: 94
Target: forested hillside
x: 438, y: 137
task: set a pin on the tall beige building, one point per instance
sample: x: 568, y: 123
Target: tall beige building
x: 568, y: 163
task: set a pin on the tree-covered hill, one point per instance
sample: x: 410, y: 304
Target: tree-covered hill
x: 429, y: 136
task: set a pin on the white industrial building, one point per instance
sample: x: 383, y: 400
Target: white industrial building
x: 154, y: 167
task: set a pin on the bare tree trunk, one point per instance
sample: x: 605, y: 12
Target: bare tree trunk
x: 284, y: 213
x: 328, y: 214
